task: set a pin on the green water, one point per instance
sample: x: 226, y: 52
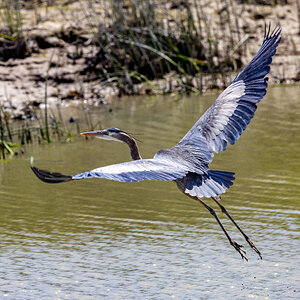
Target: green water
x: 98, y: 239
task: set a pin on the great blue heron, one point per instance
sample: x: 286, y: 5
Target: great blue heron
x: 187, y: 162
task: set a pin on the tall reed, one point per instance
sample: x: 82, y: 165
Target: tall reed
x: 140, y: 41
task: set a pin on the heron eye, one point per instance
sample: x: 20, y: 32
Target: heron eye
x: 104, y: 132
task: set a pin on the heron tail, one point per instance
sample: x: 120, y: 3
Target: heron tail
x: 211, y: 184
x: 224, y: 178
x: 50, y: 177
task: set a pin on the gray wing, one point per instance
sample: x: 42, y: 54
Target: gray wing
x: 167, y: 165
x: 137, y: 170
x: 230, y: 114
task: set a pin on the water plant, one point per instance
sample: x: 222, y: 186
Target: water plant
x: 142, y: 41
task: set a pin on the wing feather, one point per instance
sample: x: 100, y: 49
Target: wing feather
x: 230, y: 114
x: 143, y: 169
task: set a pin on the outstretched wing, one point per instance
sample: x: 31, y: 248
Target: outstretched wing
x: 137, y: 170
x: 143, y: 169
x: 230, y: 114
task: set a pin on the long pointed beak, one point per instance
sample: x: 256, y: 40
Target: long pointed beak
x: 93, y: 133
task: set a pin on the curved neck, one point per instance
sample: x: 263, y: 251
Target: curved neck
x: 134, y: 150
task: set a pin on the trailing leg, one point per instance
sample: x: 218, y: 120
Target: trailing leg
x: 236, y: 246
x: 237, y: 226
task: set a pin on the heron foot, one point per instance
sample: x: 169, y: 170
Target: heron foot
x: 239, y: 249
x: 249, y: 241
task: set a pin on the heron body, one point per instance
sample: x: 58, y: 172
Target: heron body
x: 187, y: 163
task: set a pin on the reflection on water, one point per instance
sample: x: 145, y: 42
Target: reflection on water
x: 94, y: 239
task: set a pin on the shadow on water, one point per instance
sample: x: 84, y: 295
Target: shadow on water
x: 97, y: 238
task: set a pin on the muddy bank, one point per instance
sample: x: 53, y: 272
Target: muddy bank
x: 62, y: 50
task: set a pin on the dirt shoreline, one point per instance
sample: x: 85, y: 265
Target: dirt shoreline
x: 57, y: 60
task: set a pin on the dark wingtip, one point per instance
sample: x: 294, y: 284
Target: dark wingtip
x: 271, y: 34
x: 50, y: 177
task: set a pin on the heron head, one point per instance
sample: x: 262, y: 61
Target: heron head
x: 112, y: 134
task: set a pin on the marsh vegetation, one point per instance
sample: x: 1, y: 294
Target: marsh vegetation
x: 87, y: 51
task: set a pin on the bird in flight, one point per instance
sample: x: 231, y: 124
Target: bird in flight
x: 187, y: 163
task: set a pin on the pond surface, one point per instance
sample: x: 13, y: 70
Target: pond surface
x: 97, y: 239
